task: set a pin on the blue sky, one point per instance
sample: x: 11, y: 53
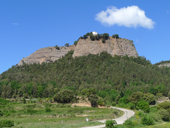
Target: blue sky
x: 28, y: 25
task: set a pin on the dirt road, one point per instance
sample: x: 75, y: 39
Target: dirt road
x: 127, y: 114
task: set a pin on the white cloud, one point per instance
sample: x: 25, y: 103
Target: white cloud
x: 15, y: 23
x: 132, y: 16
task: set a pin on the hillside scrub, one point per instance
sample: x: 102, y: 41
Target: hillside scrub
x: 117, y: 80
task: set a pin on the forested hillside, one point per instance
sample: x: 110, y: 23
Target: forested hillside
x: 100, y: 72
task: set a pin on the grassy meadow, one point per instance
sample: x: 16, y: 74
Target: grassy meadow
x: 33, y: 114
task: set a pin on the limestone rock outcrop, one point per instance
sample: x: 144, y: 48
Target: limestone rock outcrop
x: 49, y: 54
x: 84, y: 47
x: 113, y: 46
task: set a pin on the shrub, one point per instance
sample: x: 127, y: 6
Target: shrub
x: 67, y: 44
x: 64, y: 96
x: 143, y: 105
x: 150, y: 98
x: 110, y: 123
x: 115, y: 36
x: 75, y: 42
x: 128, y: 123
x: 164, y: 114
x: 58, y: 48
x: 103, y: 41
x: 147, y: 120
x: 23, y: 100
x: 6, y: 123
x: 164, y: 105
x: 93, y: 100
x: 47, y: 110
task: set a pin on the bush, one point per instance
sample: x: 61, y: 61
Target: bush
x: 23, y: 100
x: 103, y: 41
x: 115, y: 36
x: 64, y: 96
x: 93, y: 100
x: 150, y: 98
x: 164, y: 105
x: 6, y: 123
x: 58, y: 48
x: 128, y: 123
x: 147, y: 120
x: 110, y: 123
x: 143, y: 105
x: 75, y: 42
x: 47, y: 110
x: 164, y: 114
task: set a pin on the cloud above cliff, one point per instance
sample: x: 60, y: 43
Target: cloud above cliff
x: 131, y: 16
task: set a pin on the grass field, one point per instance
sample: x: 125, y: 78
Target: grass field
x: 34, y: 115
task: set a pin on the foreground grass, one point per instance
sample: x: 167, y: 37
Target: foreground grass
x: 163, y: 125
x: 33, y: 115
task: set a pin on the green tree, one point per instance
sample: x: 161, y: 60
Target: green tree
x: 64, y: 96
x: 93, y: 100
x: 143, y: 105
x: 150, y: 98
x: 135, y: 97
x: 67, y: 44
x: 58, y: 48
x: 115, y: 36
x: 75, y: 42
x: 164, y: 114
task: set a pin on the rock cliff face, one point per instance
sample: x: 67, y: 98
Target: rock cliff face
x: 113, y: 46
x: 84, y: 47
x: 49, y: 54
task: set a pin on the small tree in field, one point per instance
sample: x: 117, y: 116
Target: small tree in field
x: 93, y: 100
x: 64, y: 96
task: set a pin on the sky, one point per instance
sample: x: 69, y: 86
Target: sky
x: 28, y: 25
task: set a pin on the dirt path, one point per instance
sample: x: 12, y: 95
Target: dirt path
x: 127, y: 114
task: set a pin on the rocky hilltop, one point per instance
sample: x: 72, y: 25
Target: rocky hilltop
x: 84, y: 47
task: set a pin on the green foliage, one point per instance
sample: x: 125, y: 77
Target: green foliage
x: 135, y: 97
x: 47, y: 110
x: 75, y: 42
x: 143, y: 105
x: 93, y: 100
x: 147, y: 120
x: 103, y: 40
x: 3, y: 101
x: 93, y: 71
x: 164, y: 105
x: 150, y: 98
x: 67, y: 44
x: 24, y: 101
x: 110, y: 123
x: 6, y: 123
x: 58, y: 48
x: 64, y: 96
x: 123, y: 100
x: 128, y: 123
x: 164, y: 114
x: 31, y: 111
x: 115, y: 36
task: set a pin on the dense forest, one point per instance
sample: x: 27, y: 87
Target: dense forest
x: 105, y: 74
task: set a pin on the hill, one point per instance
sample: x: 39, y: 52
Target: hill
x: 163, y: 63
x: 101, y: 72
